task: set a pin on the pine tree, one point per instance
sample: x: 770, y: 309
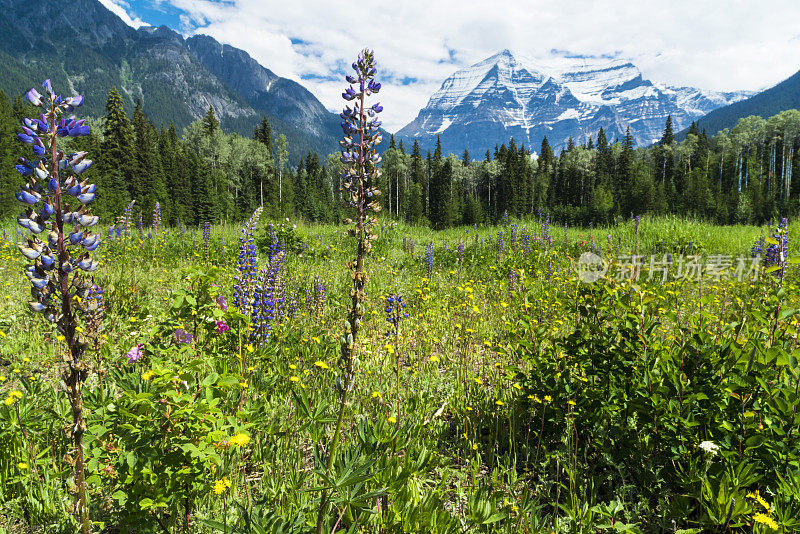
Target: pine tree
x: 668, y: 137
x: 441, y: 202
x: 263, y: 134
x: 210, y: 122
x: 115, y: 160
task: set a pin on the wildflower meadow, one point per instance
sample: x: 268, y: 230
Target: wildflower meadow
x: 273, y: 375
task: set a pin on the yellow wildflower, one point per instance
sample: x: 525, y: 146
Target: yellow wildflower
x: 321, y: 364
x: 147, y: 375
x: 221, y: 485
x: 294, y: 379
x: 240, y: 440
x: 765, y: 520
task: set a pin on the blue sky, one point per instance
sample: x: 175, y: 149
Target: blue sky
x: 710, y: 44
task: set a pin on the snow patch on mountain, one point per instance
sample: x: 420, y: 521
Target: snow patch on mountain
x: 561, y: 96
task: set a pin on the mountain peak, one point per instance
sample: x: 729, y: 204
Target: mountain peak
x: 561, y: 95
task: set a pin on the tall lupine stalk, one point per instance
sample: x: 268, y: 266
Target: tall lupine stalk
x: 156, y: 219
x: 60, y: 291
x: 246, y: 266
x: 361, y: 129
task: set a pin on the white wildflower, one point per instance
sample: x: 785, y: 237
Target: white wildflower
x: 709, y: 447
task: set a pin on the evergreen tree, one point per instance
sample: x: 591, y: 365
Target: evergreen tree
x: 263, y: 134
x: 115, y: 160
x: 441, y: 202
x: 210, y: 122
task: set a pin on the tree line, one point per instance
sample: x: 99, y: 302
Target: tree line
x: 202, y: 175
x: 741, y: 175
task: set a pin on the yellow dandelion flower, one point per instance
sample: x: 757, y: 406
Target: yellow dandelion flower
x: 764, y: 519
x: 434, y: 359
x: 392, y: 420
x: 22, y: 465
x: 571, y: 402
x: 548, y: 398
x: 240, y: 440
x: 221, y: 485
x: 321, y: 364
x: 294, y: 379
x: 499, y: 402
x: 147, y: 375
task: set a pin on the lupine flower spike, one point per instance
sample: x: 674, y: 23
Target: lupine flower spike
x: 59, y: 260
x: 361, y: 129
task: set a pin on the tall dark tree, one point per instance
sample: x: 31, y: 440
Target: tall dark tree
x: 263, y: 134
x: 115, y: 161
x: 210, y: 121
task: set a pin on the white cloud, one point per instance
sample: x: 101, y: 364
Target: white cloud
x: 120, y: 8
x: 739, y: 44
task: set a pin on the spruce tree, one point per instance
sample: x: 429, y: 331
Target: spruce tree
x: 115, y: 161
x: 210, y: 122
x: 263, y: 134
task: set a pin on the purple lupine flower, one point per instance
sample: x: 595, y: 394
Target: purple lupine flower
x: 268, y: 297
x: 182, y: 336
x: 222, y: 304
x: 500, y: 243
x: 513, y: 238
x: 135, y: 354
x: 513, y: 278
x: 525, y: 241
x: 320, y: 290
x: 460, y: 251
x: 395, y: 309
x: 156, y: 219
x: 777, y: 253
x: 429, y: 259
x: 246, y: 266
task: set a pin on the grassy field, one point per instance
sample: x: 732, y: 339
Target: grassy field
x: 513, y: 398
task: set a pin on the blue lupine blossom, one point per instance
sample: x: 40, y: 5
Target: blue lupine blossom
x: 500, y: 247
x: 246, y: 266
x: 429, y: 258
x: 777, y: 252
x: 59, y: 287
x: 395, y: 310
x: 156, y: 219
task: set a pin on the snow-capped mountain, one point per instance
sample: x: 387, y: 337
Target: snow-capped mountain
x: 510, y: 95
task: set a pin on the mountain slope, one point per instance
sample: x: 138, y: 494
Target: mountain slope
x: 785, y: 95
x: 508, y: 95
x: 89, y: 49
